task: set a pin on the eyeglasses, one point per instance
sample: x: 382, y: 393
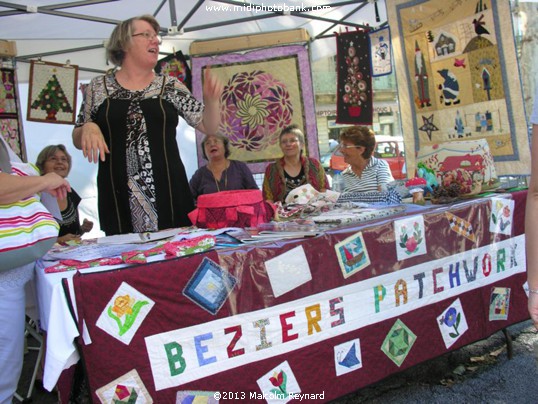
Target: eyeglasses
x: 211, y: 142
x: 289, y: 141
x: 348, y: 146
x: 150, y: 36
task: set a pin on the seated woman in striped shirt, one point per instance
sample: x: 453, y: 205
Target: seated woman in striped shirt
x: 365, y: 172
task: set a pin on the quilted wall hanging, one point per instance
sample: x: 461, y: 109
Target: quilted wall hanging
x: 265, y: 90
x: 381, y: 52
x: 175, y: 65
x: 354, y: 79
x: 458, y: 79
x: 52, y: 94
x: 10, y: 122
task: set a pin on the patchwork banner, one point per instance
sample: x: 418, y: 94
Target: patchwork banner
x: 354, y: 79
x: 183, y: 355
x: 264, y: 91
x: 458, y: 78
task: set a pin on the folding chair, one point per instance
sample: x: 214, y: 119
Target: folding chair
x: 32, y: 328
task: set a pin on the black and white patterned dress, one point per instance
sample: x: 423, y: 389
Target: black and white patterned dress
x: 142, y: 184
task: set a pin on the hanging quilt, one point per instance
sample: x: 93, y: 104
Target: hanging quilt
x: 354, y: 79
x: 458, y: 79
x: 381, y: 51
x: 265, y: 90
x: 52, y: 94
x: 175, y: 65
x: 10, y: 123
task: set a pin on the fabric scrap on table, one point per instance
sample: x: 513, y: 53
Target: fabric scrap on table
x: 172, y: 249
x: 390, y: 197
x: 344, y: 215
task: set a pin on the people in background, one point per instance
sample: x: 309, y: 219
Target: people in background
x: 127, y: 123
x: 365, y: 172
x: 15, y: 188
x: 220, y: 173
x: 56, y: 159
x: 531, y: 221
x: 293, y: 169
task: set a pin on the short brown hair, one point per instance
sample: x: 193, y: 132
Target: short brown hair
x: 122, y: 35
x: 360, y: 136
x: 293, y: 129
x: 48, y: 152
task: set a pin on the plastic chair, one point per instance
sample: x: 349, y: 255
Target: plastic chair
x: 32, y: 328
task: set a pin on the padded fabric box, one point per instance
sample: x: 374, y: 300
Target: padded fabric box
x: 469, y: 163
x: 239, y: 208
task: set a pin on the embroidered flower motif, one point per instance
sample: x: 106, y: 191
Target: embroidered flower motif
x: 123, y: 305
x: 279, y: 380
x: 452, y: 319
x: 128, y: 308
x: 411, y: 243
x: 122, y: 392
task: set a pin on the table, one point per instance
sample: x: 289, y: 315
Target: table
x: 321, y: 316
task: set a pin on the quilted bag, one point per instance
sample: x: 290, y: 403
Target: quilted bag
x: 238, y: 208
x: 27, y: 229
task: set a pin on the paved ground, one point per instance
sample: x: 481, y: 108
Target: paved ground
x: 478, y: 373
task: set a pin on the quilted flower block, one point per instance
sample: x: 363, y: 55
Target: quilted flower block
x: 468, y: 163
x: 255, y: 107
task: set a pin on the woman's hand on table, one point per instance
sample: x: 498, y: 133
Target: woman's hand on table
x: 67, y: 237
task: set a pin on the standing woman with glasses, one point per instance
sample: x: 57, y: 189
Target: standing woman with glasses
x: 293, y: 169
x: 365, y: 172
x: 56, y: 159
x: 127, y: 124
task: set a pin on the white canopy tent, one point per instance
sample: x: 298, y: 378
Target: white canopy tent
x: 76, y: 32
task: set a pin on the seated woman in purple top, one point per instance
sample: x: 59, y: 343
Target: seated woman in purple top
x: 220, y: 173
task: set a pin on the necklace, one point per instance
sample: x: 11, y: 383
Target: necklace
x: 225, y: 178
